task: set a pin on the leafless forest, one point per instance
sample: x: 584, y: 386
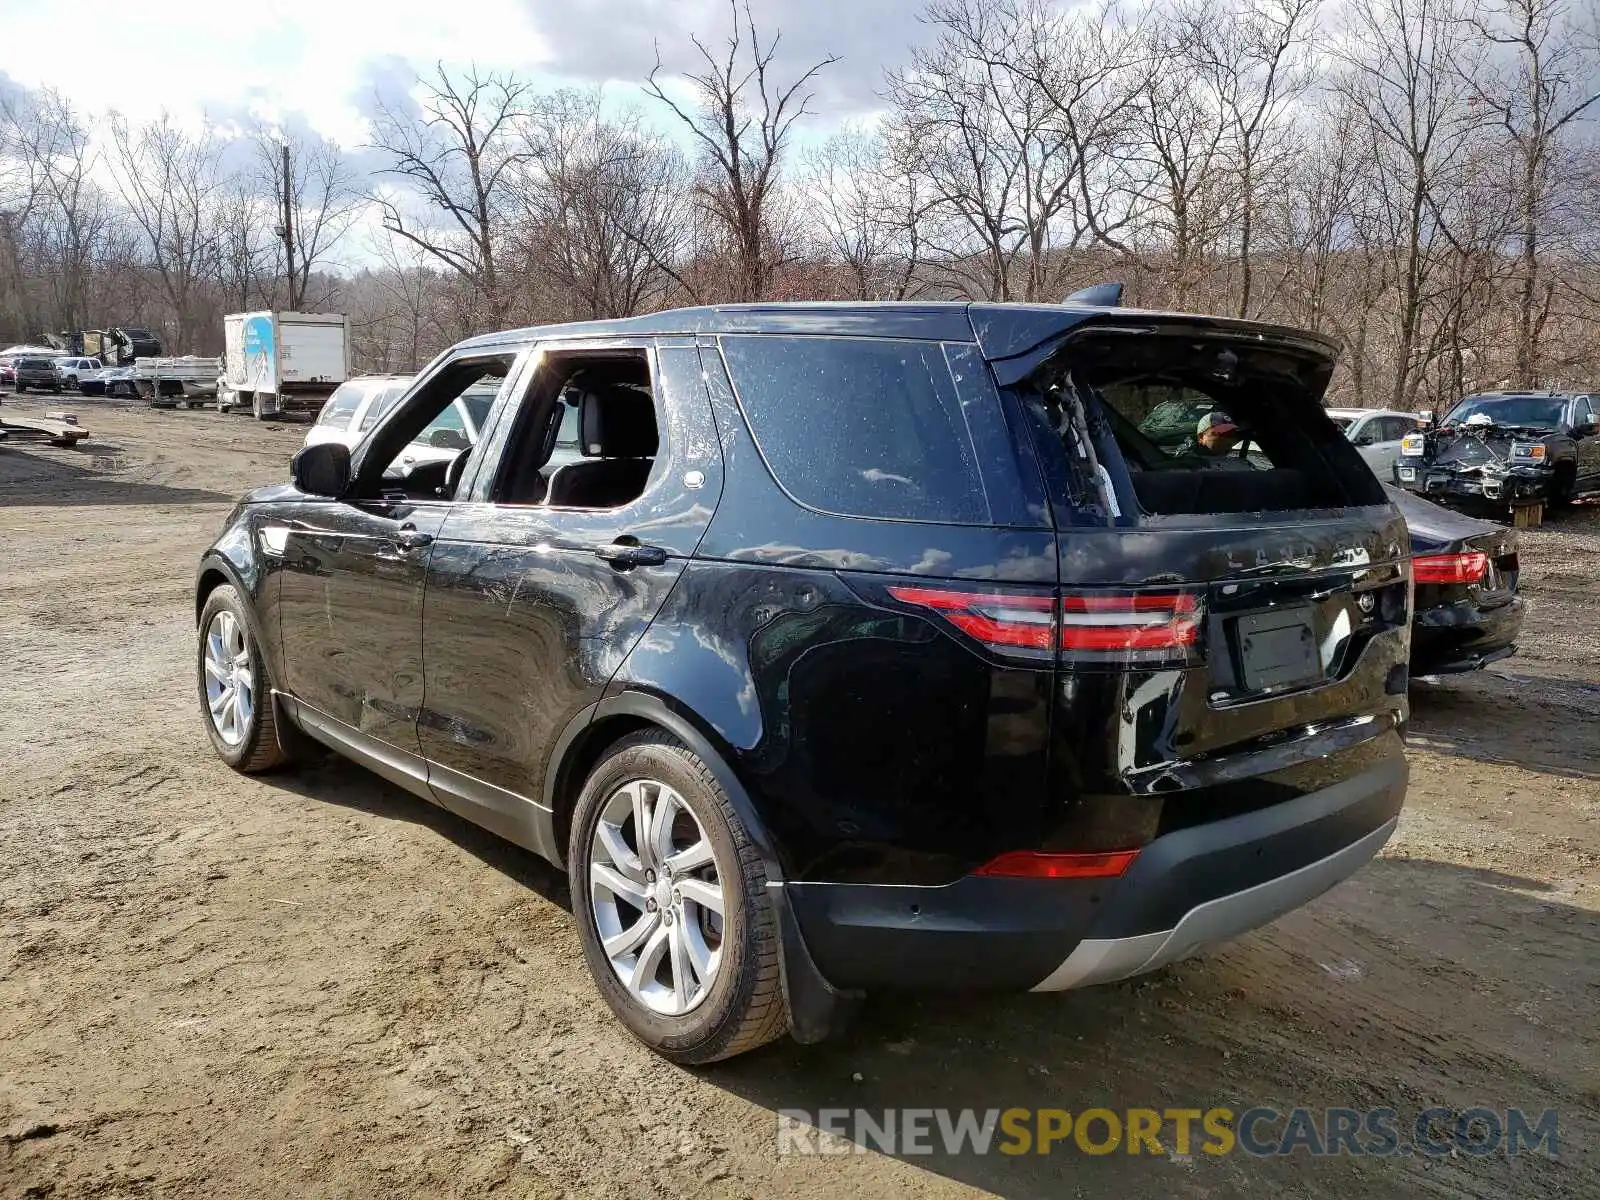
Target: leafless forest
x: 1416, y: 177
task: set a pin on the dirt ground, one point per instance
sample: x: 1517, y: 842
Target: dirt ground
x: 315, y: 984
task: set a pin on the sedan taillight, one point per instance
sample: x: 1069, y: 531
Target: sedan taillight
x: 1469, y: 566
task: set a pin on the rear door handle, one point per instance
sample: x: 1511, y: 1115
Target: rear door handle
x: 626, y: 554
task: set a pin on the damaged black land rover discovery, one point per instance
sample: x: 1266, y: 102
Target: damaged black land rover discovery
x: 857, y: 647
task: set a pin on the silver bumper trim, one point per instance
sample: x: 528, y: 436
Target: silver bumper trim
x: 1103, y: 960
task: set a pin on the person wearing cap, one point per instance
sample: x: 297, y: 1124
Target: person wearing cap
x: 1217, y: 433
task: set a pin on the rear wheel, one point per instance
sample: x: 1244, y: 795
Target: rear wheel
x: 235, y: 691
x: 671, y: 900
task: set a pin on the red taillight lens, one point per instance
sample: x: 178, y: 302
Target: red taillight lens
x: 1007, y: 620
x: 1038, y: 864
x: 1094, y: 626
x: 1137, y: 621
x: 1468, y: 567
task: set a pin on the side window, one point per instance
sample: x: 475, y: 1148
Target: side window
x: 859, y: 426
x: 590, y: 434
x: 380, y: 407
x: 419, y: 454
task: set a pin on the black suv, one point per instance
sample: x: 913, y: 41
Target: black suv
x: 862, y: 646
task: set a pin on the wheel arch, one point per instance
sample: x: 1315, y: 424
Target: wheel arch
x: 817, y: 1010
x: 603, y: 724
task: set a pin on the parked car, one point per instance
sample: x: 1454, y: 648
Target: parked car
x: 37, y: 373
x: 1507, y: 449
x: 8, y: 373
x: 73, y: 370
x: 1467, y: 612
x: 355, y: 407
x: 859, y: 646
x: 1377, y: 433
x: 109, y: 381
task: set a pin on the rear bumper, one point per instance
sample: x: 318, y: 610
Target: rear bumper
x: 1187, y: 889
x: 1463, y: 637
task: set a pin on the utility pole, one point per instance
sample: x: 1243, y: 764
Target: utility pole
x: 288, y: 228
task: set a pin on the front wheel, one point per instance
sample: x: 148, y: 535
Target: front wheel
x: 235, y: 691
x: 671, y: 900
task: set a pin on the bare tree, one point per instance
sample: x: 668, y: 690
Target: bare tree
x: 171, y: 182
x: 311, y: 181
x: 1250, y: 58
x: 1405, y: 79
x: 1540, y: 81
x: 868, y: 213
x: 603, y: 208
x: 458, y: 156
x: 740, y: 119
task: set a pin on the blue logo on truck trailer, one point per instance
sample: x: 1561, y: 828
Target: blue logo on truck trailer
x: 258, y: 345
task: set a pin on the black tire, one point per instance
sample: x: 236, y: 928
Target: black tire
x: 1565, y: 486
x: 744, y: 1008
x: 260, y: 748
x: 20, y: 388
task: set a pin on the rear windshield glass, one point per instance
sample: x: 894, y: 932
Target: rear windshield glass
x: 1172, y: 424
x: 342, y: 405
x: 36, y: 364
x: 1536, y: 412
x: 858, y: 426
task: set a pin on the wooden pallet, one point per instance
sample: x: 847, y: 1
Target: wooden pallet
x: 58, y: 428
x: 1527, y: 516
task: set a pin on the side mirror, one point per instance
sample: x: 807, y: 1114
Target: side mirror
x: 322, y: 470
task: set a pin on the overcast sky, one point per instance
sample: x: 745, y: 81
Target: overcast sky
x: 321, y: 61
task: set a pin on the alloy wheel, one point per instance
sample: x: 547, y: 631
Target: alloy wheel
x: 230, y: 678
x: 655, y: 889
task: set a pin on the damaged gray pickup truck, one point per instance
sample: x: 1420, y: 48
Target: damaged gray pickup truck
x: 1506, y: 450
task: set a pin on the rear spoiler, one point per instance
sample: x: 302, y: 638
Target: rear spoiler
x: 1015, y: 338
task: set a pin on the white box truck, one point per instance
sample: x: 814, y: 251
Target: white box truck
x: 277, y: 362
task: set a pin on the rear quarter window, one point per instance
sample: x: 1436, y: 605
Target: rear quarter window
x: 860, y: 427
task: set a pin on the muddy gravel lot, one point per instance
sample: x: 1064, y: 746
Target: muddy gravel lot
x: 314, y: 984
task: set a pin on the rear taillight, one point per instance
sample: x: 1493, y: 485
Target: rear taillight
x: 1041, y: 864
x: 1087, y: 627
x: 1003, y: 620
x: 1469, y: 566
x: 1137, y: 621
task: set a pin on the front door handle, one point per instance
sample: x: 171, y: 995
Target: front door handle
x: 412, y: 539
x: 631, y: 554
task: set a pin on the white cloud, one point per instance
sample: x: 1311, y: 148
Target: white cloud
x: 267, y: 58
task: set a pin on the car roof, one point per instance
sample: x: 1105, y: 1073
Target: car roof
x: 1001, y: 330
x: 1356, y: 413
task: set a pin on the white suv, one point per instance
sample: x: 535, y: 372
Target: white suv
x: 1376, y: 433
x: 74, y: 369
x: 355, y: 408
